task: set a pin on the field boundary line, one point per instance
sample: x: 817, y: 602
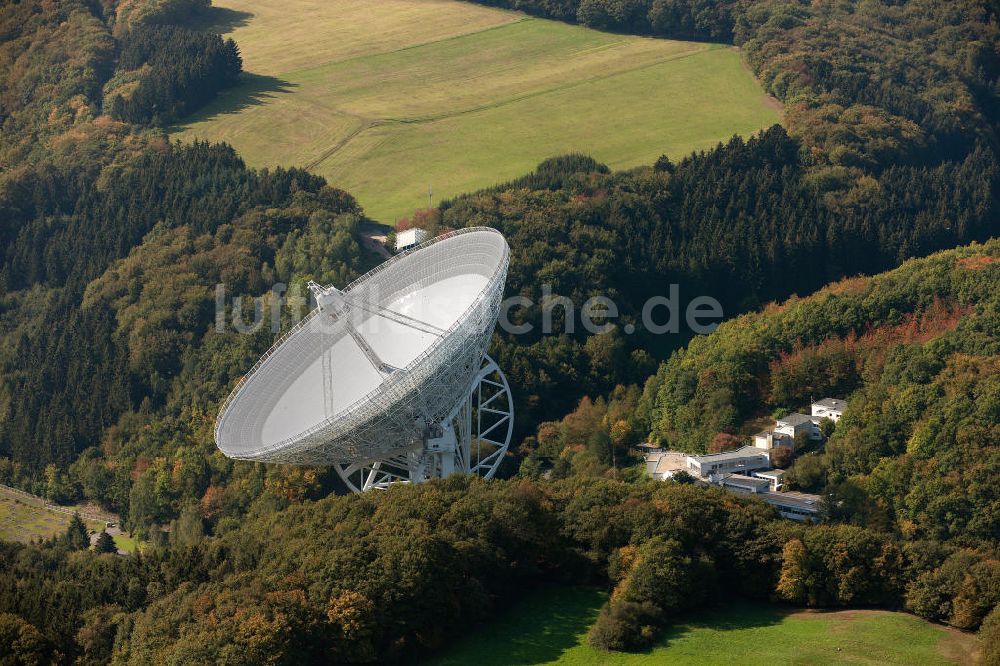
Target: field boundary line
x: 45, y: 504
x: 402, y: 49
x: 545, y: 91
x: 341, y: 142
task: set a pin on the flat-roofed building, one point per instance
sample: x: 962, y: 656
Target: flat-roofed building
x: 663, y: 465
x: 760, y: 482
x: 745, y: 484
x: 794, y: 505
x: 829, y: 408
x: 745, y: 460
x: 774, y: 477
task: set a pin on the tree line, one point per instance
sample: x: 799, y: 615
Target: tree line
x: 178, y: 70
x: 709, y: 20
x: 384, y: 576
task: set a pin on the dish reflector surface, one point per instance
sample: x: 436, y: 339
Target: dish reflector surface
x: 318, y: 397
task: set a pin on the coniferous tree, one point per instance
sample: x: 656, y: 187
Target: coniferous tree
x: 77, y: 536
x: 105, y: 543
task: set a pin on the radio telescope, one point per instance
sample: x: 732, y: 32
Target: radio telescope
x: 388, y: 379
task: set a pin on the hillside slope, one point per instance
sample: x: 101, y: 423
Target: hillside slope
x: 388, y: 100
x: 915, y: 351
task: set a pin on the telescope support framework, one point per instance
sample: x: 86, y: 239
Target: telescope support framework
x: 473, y: 439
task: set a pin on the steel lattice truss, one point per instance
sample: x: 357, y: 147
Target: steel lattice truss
x: 484, y: 423
x: 391, y: 420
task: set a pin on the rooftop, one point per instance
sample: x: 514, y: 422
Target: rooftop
x: 773, y: 433
x: 745, y: 481
x: 768, y: 473
x: 832, y: 403
x: 793, y: 500
x: 795, y: 419
x: 742, y: 452
x: 667, y: 461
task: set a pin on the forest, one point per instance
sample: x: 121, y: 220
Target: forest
x: 383, y: 576
x: 112, y: 240
x: 741, y: 224
x: 916, y: 351
x: 172, y: 71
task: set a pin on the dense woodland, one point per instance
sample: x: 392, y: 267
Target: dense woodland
x: 112, y: 240
x: 890, y: 152
x: 915, y: 349
x: 741, y: 223
x: 166, y: 72
x: 385, y: 576
x: 710, y: 20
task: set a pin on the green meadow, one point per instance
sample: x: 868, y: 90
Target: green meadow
x: 390, y: 99
x: 26, y: 520
x: 550, y: 627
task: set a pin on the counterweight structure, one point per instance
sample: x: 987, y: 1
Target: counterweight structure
x: 388, y: 379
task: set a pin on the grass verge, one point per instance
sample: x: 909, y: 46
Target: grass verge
x: 550, y: 627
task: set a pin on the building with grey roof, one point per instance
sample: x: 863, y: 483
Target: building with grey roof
x: 829, y: 408
x: 770, y: 439
x: 745, y: 459
x: 794, y: 424
x: 745, y: 484
x: 775, y: 477
x: 794, y: 505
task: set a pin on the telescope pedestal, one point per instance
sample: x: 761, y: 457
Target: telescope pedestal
x: 473, y: 439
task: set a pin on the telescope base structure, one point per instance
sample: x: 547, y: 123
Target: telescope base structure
x: 473, y: 439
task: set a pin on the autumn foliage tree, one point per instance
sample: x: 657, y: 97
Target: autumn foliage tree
x: 724, y: 441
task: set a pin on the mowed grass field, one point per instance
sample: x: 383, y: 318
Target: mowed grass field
x: 26, y: 520
x: 550, y: 626
x: 389, y: 98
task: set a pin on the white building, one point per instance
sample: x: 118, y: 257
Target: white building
x: 744, y: 484
x: 770, y: 439
x: 793, y: 424
x: 745, y: 460
x: 829, y: 408
x: 794, y: 505
x: 719, y: 468
x: 409, y: 238
x: 774, y: 477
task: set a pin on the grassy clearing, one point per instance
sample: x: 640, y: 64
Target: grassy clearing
x: 126, y: 543
x: 550, y: 627
x: 387, y: 98
x: 278, y: 36
x: 24, y: 521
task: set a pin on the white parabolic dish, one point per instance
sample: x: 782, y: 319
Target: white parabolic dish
x: 318, y: 397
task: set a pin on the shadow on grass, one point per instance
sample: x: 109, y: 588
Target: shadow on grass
x: 545, y: 624
x: 733, y: 616
x: 252, y: 90
x: 219, y: 19
x: 537, y: 629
